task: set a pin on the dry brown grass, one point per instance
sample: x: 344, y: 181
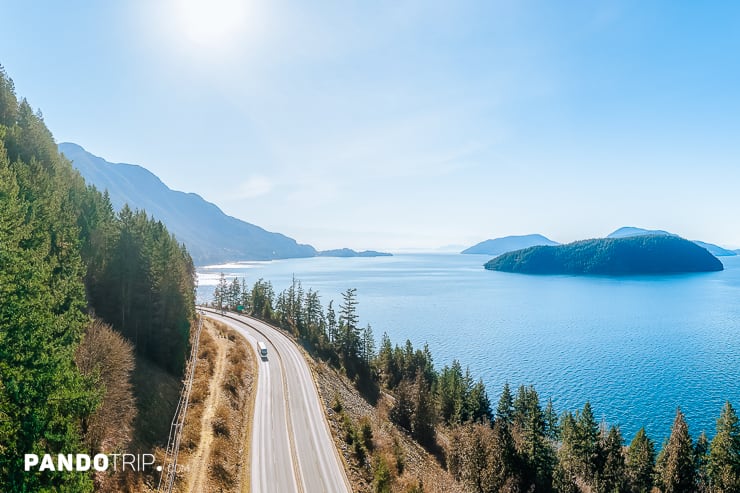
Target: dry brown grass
x: 225, y: 381
x: 199, y: 391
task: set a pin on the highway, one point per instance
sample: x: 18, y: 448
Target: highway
x: 292, y: 447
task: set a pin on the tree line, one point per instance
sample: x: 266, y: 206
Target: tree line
x: 520, y: 446
x: 67, y: 260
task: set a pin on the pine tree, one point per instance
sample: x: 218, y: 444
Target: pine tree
x: 368, y: 345
x: 701, y: 463
x: 640, y: 466
x: 234, y: 292
x: 478, y: 403
x: 389, y: 372
x: 724, y: 452
x: 587, y: 448
x: 567, y: 469
x: 403, y: 407
x: 483, y: 458
x: 451, y: 393
x: 676, y: 472
x: 244, y: 297
x: 220, y: 294
x: 551, y: 422
x: 424, y: 415
x: 331, y: 323
x: 505, y: 408
x: 612, y: 473
x: 529, y: 437
x: 348, y: 310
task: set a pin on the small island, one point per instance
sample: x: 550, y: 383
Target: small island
x: 636, y: 255
x: 348, y: 252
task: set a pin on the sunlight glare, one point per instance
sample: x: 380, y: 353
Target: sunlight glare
x: 211, y: 24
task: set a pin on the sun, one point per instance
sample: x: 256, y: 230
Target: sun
x: 210, y: 24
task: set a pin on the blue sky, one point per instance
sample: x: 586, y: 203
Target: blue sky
x: 404, y: 124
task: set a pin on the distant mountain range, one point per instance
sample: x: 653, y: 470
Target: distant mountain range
x: 506, y: 244
x: 210, y: 235
x: 628, y: 231
x: 629, y: 255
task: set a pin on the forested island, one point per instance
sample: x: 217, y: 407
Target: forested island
x: 634, y: 255
x: 348, y: 252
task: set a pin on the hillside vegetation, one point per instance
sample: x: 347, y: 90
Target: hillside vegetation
x: 403, y: 424
x: 646, y: 254
x: 64, y: 257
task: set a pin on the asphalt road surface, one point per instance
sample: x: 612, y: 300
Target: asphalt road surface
x: 292, y: 447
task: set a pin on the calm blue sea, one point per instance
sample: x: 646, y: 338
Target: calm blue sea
x: 636, y: 347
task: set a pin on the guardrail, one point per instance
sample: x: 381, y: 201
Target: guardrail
x: 169, y: 467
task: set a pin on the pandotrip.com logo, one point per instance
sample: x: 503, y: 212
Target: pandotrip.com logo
x: 84, y: 462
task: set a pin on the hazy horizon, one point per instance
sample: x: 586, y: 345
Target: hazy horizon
x: 404, y: 125
x: 446, y: 248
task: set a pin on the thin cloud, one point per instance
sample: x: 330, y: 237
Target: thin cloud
x: 254, y: 186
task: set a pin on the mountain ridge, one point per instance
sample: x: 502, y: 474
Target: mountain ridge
x: 498, y: 246
x: 210, y: 235
x: 630, y: 231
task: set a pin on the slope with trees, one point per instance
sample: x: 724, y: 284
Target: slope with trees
x: 519, y: 445
x: 64, y: 258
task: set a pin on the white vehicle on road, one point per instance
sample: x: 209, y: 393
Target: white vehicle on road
x: 263, y: 349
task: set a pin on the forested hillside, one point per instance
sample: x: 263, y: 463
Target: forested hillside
x: 523, y: 444
x: 65, y: 257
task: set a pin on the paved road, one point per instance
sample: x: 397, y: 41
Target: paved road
x: 292, y: 448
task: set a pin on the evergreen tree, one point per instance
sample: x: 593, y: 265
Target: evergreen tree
x: 724, y: 452
x: 220, y: 293
x: 551, y: 422
x: 331, y: 323
x: 424, y: 415
x: 348, y: 310
x: 244, y: 297
x: 567, y: 470
x: 529, y: 437
x: 505, y: 408
x: 483, y: 459
x: 701, y: 463
x: 348, y: 340
x: 451, y: 393
x: 612, y: 476
x: 403, y: 407
x: 676, y: 472
x: 367, y: 348
x: 263, y: 300
x: 640, y: 463
x: 478, y: 403
x: 386, y: 363
x: 234, y: 292
x: 586, y: 447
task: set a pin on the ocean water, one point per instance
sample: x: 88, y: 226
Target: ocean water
x: 635, y: 347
